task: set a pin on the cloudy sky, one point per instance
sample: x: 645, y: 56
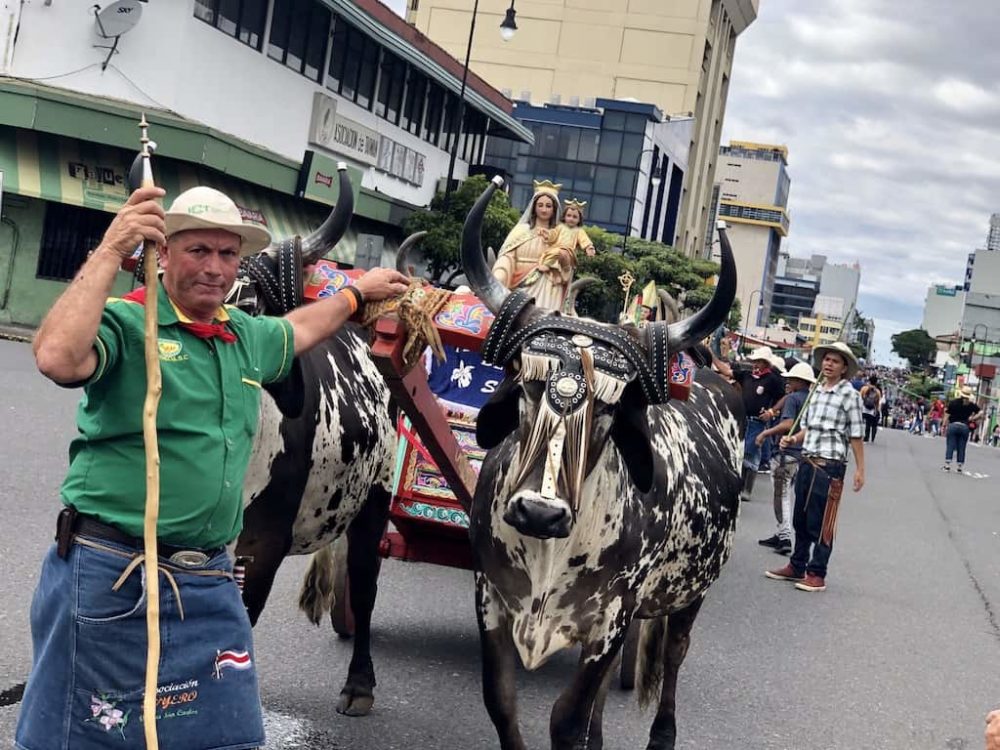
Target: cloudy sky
x: 889, y: 109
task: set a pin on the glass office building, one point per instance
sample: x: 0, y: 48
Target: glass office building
x: 622, y: 157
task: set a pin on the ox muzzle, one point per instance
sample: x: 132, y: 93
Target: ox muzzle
x: 535, y: 516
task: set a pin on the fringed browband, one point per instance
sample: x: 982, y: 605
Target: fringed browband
x: 613, y: 349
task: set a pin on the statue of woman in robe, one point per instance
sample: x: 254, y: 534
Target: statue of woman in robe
x: 530, y: 258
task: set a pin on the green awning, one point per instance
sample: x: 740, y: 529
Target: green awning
x: 81, y: 173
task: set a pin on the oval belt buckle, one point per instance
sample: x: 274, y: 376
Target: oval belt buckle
x: 189, y: 558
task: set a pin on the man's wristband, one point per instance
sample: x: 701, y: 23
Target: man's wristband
x: 354, y: 297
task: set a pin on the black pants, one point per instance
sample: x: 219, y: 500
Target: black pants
x: 871, y: 426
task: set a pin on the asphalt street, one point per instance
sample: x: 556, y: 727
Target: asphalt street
x: 901, y: 652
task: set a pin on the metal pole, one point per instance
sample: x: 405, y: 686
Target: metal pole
x: 635, y: 189
x: 460, y: 110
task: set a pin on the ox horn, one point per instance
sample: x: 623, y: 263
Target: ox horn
x: 319, y: 243
x: 404, y: 251
x: 671, y: 312
x: 575, y: 288
x: 685, y: 333
x: 481, y: 280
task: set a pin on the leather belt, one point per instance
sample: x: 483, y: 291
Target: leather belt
x: 818, y: 461
x: 72, y: 524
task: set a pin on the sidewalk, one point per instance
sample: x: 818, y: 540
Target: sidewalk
x: 13, y: 332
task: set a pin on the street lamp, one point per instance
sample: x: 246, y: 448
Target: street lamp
x: 654, y: 180
x: 507, y: 29
x: 509, y: 26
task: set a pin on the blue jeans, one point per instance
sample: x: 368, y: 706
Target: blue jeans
x: 812, y: 486
x: 89, y: 663
x: 956, y: 439
x: 751, y: 451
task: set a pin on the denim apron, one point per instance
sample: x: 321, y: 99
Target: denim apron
x: 88, y: 625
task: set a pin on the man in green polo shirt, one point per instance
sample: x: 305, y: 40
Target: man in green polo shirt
x: 88, y: 613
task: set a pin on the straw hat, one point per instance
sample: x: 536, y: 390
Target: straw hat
x: 801, y: 371
x: 837, y: 347
x: 966, y: 392
x: 207, y: 208
x: 763, y: 353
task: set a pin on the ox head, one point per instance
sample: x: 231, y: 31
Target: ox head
x: 270, y: 282
x: 574, y: 387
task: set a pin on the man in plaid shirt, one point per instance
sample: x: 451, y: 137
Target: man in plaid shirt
x: 831, y: 422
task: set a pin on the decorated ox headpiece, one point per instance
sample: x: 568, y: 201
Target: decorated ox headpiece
x: 271, y: 281
x: 571, y: 372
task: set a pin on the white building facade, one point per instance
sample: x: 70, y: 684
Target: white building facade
x: 260, y: 98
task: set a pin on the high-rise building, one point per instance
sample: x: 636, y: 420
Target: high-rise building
x: 677, y: 55
x: 753, y: 200
x: 983, y: 272
x: 592, y: 153
x: 993, y: 237
x: 841, y: 281
x: 943, y: 310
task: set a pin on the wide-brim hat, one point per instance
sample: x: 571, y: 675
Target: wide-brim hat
x: 837, y: 347
x: 778, y: 363
x: 763, y: 353
x: 966, y: 392
x: 801, y: 371
x: 207, y: 208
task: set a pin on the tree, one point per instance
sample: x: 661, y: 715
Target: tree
x: 443, y: 224
x: 859, y: 349
x: 915, y: 346
x: 686, y: 279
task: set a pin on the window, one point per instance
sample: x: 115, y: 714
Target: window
x: 614, y: 121
x: 243, y: 19
x: 435, y: 110
x: 299, y: 33
x: 589, y: 140
x: 604, y: 181
x: 352, y: 64
x: 69, y: 233
x: 389, y: 99
x: 610, y: 148
x: 631, y: 149
x: 415, y: 95
x: 626, y: 182
x: 369, y: 73
x: 600, y: 209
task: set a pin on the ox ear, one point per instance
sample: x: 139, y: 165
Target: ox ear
x: 630, y: 433
x: 289, y: 394
x: 499, y: 416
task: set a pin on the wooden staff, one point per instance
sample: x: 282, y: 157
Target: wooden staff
x: 154, y: 386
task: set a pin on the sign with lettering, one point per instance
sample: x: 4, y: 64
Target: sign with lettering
x: 355, y: 140
x: 324, y: 117
x: 99, y: 183
x: 946, y: 291
x: 318, y: 179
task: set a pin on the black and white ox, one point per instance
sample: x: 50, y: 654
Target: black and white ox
x: 598, y: 502
x: 323, y: 456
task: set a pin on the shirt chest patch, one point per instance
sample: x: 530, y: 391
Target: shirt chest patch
x: 171, y: 350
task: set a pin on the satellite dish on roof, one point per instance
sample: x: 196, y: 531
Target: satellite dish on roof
x: 114, y: 20
x: 118, y: 18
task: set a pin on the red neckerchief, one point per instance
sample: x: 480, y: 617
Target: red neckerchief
x: 761, y: 372
x: 201, y: 330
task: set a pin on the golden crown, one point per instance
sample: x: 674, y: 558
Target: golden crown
x: 573, y: 203
x: 548, y: 187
